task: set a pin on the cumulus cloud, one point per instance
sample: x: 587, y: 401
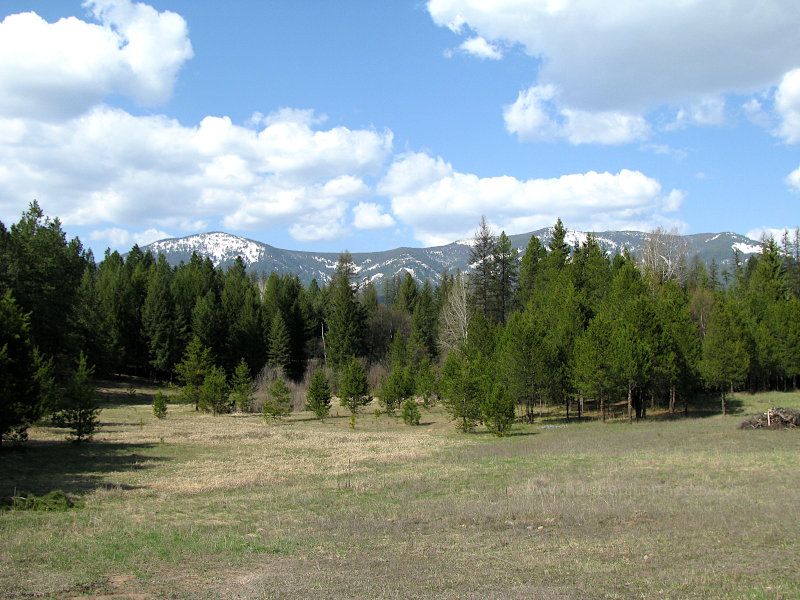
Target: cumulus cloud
x: 776, y: 233
x: 441, y: 204
x: 477, y: 46
x: 536, y: 116
x: 611, y: 63
x: 107, y: 166
x: 787, y: 105
x: 793, y: 180
x: 60, y: 70
x: 368, y: 215
x: 607, y: 56
x: 121, y: 238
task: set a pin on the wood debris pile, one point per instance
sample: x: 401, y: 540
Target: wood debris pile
x: 774, y: 418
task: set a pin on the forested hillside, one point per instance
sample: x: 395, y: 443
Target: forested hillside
x: 566, y: 325
x: 719, y: 251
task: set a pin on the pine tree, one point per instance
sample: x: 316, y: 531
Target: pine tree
x: 354, y: 388
x: 79, y: 410
x: 214, y: 394
x: 558, y: 244
x: 497, y: 409
x: 159, y: 319
x: 345, y: 332
x: 318, y: 398
x: 505, y: 269
x: 207, y: 321
x: 192, y: 370
x: 278, y: 354
x: 462, y: 387
x: 241, y: 387
x: 43, y: 271
x: 395, y: 388
x: 535, y: 253
x: 276, y: 404
x: 482, y: 278
x: 21, y: 389
x: 725, y: 360
x: 159, y: 405
x: 425, y: 382
x: 410, y: 412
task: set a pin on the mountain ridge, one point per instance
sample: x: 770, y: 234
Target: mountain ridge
x: 223, y: 249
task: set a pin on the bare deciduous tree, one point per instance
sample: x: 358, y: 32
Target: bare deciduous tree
x: 454, y: 318
x: 664, y: 254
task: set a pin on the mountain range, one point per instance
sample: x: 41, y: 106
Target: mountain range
x: 421, y: 263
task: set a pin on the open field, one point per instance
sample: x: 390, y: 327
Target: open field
x: 197, y: 506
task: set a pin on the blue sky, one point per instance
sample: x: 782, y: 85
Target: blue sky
x: 368, y: 125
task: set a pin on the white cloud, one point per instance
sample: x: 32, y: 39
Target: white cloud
x: 613, y: 63
x: 787, y: 105
x: 108, y: 166
x: 60, y: 70
x: 775, y: 233
x: 634, y: 55
x: 479, y: 47
x: 443, y: 204
x: 536, y: 116
x: 793, y: 180
x: 368, y: 215
x: 121, y: 238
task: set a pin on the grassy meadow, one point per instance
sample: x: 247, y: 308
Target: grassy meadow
x: 198, y: 506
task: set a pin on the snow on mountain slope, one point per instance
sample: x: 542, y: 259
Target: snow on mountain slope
x: 420, y: 263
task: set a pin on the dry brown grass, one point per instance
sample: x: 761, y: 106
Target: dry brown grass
x: 197, y: 506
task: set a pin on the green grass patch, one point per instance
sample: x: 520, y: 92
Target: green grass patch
x: 197, y: 506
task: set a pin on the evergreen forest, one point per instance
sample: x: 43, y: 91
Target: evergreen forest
x: 556, y: 325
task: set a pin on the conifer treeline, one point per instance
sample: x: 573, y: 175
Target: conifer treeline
x: 562, y: 325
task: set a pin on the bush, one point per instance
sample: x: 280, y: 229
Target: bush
x: 55, y: 500
x: 160, y: 405
x: 410, y: 412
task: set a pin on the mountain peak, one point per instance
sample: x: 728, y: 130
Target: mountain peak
x: 421, y: 263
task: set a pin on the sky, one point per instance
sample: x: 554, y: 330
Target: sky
x: 364, y: 125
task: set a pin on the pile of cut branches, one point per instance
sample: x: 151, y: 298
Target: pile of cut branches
x: 774, y: 418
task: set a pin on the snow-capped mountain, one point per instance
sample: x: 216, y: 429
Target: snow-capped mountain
x: 421, y: 263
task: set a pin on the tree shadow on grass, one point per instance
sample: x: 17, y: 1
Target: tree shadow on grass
x: 42, y: 466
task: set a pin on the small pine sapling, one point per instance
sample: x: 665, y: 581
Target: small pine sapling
x: 241, y: 387
x: 498, y: 411
x: 354, y: 389
x: 160, y: 405
x: 214, y: 392
x: 318, y: 397
x: 410, y: 412
x: 276, y: 404
x: 79, y: 409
